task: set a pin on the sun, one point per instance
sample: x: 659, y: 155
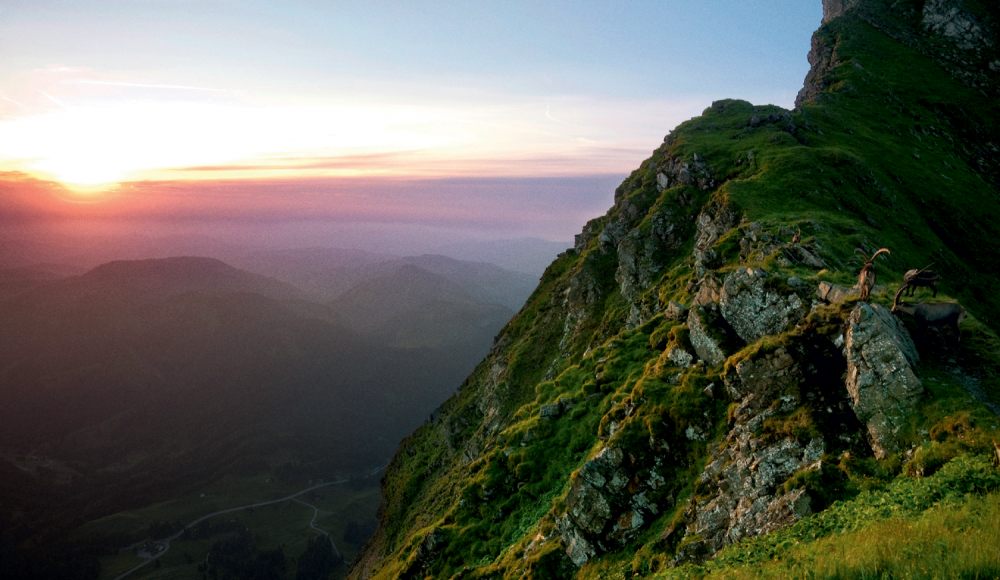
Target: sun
x: 105, y: 143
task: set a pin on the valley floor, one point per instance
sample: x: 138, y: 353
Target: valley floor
x: 259, y: 511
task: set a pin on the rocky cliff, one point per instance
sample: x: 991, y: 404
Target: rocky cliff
x: 696, y: 373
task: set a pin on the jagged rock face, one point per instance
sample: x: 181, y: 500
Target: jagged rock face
x: 584, y: 291
x: 709, y: 290
x: 675, y: 311
x: 822, y: 60
x: 880, y: 379
x: 739, y: 493
x: 608, y: 504
x: 675, y: 172
x: 946, y: 17
x: 582, y: 239
x: 755, y: 382
x: 640, y: 256
x: 704, y: 344
x: 712, y: 224
x: 753, y: 309
x: 619, y: 227
x: 743, y: 480
x: 834, y: 8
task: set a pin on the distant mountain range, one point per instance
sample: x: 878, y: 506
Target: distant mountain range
x: 149, y: 377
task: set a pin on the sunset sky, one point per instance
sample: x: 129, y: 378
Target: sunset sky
x: 367, y: 110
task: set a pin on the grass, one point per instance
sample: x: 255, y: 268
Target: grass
x: 884, y: 157
x: 935, y: 527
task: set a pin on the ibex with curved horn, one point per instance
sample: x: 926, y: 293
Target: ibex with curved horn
x: 913, y: 279
x: 866, y: 279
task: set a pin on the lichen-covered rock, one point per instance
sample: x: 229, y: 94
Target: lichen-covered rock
x: 607, y: 505
x: 584, y: 291
x: 641, y: 255
x: 884, y: 389
x: 947, y: 18
x: 679, y: 357
x: 704, y: 344
x: 675, y: 311
x: 675, y: 171
x: 712, y: 223
x: 740, y: 489
x: 709, y: 290
x: 744, y: 475
x: 757, y: 381
x: 753, y: 309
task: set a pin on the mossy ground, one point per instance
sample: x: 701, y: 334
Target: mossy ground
x: 879, y: 159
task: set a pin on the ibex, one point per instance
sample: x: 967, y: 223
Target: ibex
x: 914, y: 278
x: 866, y: 279
x: 937, y: 314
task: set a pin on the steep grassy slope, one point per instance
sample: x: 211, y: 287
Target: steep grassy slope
x: 583, y: 446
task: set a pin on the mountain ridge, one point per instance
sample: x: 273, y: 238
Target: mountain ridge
x: 697, y: 372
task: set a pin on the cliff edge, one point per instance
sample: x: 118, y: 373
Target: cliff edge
x: 696, y: 386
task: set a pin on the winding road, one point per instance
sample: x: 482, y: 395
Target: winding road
x: 312, y: 525
x: 166, y: 542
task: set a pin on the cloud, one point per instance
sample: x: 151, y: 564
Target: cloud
x: 541, y: 206
x: 13, y: 101
x: 144, y: 85
x: 54, y: 100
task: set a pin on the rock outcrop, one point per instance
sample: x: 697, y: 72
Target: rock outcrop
x: 702, y: 341
x: 713, y: 222
x: 880, y: 379
x: 611, y: 498
x: 739, y: 493
x: 947, y: 18
x: 834, y: 8
x: 755, y: 310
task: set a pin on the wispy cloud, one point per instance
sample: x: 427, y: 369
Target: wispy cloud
x: 13, y: 101
x: 145, y: 85
x: 54, y: 100
x: 548, y: 114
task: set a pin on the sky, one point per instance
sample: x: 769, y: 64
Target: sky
x: 505, y: 117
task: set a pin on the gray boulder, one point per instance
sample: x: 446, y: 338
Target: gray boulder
x: 607, y: 505
x: 679, y: 357
x: 756, y: 382
x: 713, y: 223
x: 675, y: 311
x: 804, y: 255
x: 708, y: 348
x: 884, y: 389
x: 835, y: 292
x: 709, y: 289
x: 753, y: 309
